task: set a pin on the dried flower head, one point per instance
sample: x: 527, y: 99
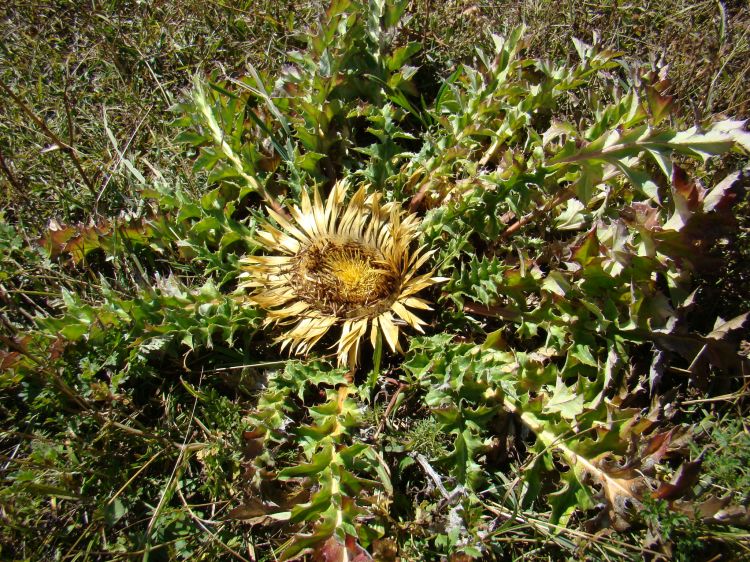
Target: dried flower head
x: 336, y: 264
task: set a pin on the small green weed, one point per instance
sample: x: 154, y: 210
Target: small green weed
x: 674, y: 532
x: 726, y: 465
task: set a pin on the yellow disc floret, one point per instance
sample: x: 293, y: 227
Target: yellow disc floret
x: 341, y: 279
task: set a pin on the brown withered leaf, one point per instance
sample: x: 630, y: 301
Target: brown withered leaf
x: 9, y: 359
x: 687, y: 188
x: 254, y: 511
x: 622, y: 490
x: 642, y: 215
x: 659, y: 104
x: 57, y: 348
x: 78, y: 240
x: 656, y: 449
x: 250, y: 509
x: 706, y: 509
x: 333, y: 550
x: 687, y: 197
x: 18, y: 349
x: 624, y: 485
x: 253, y: 442
x: 715, y: 510
x: 462, y: 557
x: 737, y: 515
x: 385, y: 550
x: 700, y: 217
x: 684, y: 479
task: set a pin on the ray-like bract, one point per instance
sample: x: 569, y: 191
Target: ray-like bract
x: 333, y: 264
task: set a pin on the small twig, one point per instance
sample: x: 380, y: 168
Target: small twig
x: 113, y: 498
x: 68, y: 113
x: 156, y: 79
x: 5, y: 298
x: 493, y: 311
x: 12, y: 456
x: 389, y: 408
x: 65, y: 147
x: 172, y: 480
x: 120, y: 154
x: 12, y: 180
x: 432, y: 474
x: 202, y: 524
x: 426, y: 27
x: 723, y: 398
x: 545, y: 527
x: 450, y: 498
x: 137, y: 473
x: 694, y: 362
x: 246, y: 366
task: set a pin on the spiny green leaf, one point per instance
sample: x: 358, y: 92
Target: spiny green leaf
x: 319, y: 462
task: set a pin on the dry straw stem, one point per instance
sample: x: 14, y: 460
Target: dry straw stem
x: 65, y: 147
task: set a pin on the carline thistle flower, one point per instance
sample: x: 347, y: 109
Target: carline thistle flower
x: 339, y: 265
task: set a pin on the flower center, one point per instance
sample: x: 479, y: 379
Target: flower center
x: 343, y: 279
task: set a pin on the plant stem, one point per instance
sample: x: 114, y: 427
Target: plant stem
x: 65, y: 147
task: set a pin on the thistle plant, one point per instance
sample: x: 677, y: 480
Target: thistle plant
x: 548, y: 222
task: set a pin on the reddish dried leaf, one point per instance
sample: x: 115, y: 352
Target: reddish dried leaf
x: 57, y: 348
x: 683, y: 480
x: 78, y: 240
x: 658, y: 445
x: 588, y: 249
x: 659, y: 104
x: 257, y: 433
x: 250, y: 509
x: 253, y: 442
x: 462, y: 557
x: 385, y: 550
x: 642, y: 215
x: 687, y: 188
x: 55, y: 238
x: 9, y: 359
x: 706, y: 510
x: 87, y: 241
x: 16, y: 343
x: 333, y: 550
